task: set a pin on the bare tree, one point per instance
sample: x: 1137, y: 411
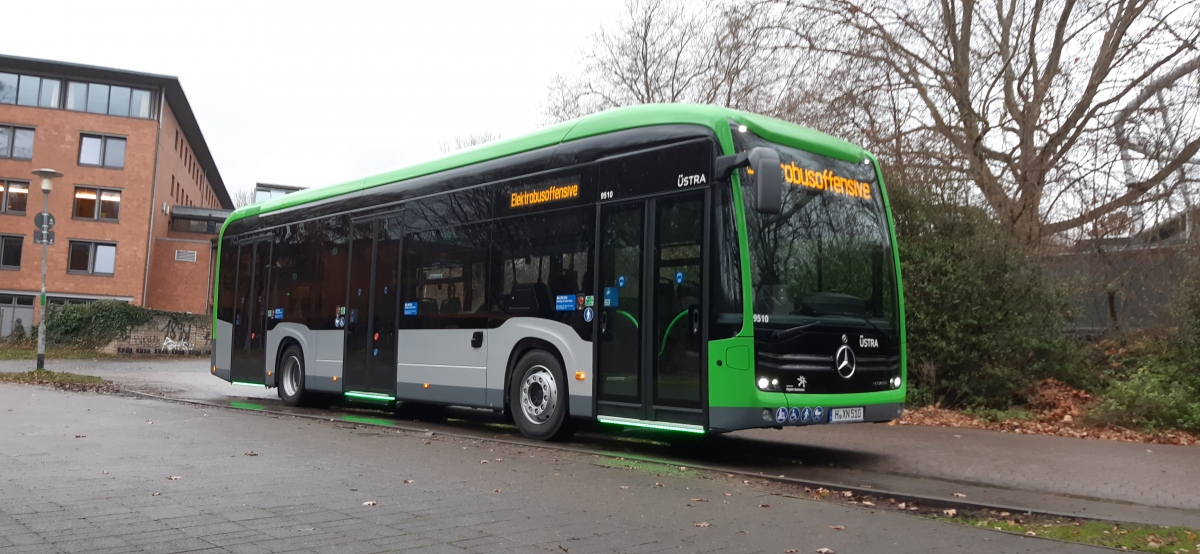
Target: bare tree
x: 1036, y: 101
x: 658, y: 53
x: 461, y: 143
x: 243, y: 197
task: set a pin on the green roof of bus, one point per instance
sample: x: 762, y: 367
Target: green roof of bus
x: 608, y: 121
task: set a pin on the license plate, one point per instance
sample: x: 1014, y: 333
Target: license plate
x: 845, y: 415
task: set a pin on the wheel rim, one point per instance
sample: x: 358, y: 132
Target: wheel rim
x: 539, y: 395
x: 291, y: 376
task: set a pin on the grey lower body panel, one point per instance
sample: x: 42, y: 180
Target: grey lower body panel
x: 442, y: 394
x: 733, y: 419
x: 223, y: 351
x: 323, y: 364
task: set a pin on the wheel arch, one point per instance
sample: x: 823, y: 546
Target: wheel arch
x: 523, y: 347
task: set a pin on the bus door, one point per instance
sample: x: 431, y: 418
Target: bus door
x: 370, y: 358
x: 250, y: 312
x: 649, y: 306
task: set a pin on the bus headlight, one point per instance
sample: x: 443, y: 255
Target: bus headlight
x: 896, y: 382
x: 763, y: 383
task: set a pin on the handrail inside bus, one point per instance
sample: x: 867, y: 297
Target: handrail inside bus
x: 663, y: 348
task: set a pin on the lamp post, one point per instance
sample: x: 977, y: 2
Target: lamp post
x: 45, y: 221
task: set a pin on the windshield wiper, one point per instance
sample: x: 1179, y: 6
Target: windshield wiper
x: 785, y: 334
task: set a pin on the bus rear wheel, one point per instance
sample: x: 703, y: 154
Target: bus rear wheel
x: 290, y: 376
x: 538, y: 397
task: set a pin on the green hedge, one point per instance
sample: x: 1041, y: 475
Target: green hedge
x: 984, y: 322
x: 99, y: 323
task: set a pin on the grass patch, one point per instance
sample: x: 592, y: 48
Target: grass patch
x: 1142, y: 538
x: 52, y: 353
x: 60, y: 380
x: 661, y: 470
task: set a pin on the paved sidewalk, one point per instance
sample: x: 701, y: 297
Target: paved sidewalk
x: 1135, y: 482
x: 109, y: 474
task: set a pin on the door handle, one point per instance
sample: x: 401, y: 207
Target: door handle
x: 476, y: 339
x: 695, y: 316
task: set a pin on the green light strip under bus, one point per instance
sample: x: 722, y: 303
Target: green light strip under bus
x: 659, y: 425
x: 370, y: 396
x: 245, y: 384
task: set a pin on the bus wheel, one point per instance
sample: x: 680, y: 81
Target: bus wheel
x: 291, y: 376
x: 538, y: 397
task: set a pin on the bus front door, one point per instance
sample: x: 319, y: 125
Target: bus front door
x: 248, y: 363
x: 370, y: 359
x: 649, y: 305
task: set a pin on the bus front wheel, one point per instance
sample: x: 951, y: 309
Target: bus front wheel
x: 538, y: 397
x: 291, y: 376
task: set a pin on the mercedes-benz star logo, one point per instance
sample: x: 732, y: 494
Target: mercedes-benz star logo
x: 843, y: 362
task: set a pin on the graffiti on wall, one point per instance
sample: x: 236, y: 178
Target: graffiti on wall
x: 167, y: 337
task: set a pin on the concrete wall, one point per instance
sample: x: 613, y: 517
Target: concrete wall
x: 165, y: 337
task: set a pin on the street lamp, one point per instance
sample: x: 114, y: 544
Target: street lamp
x: 45, y: 222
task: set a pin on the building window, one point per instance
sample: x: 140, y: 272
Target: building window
x: 102, y: 151
x: 10, y: 252
x: 14, y: 196
x: 95, y: 258
x: 16, y: 142
x: 29, y: 90
x: 108, y: 99
x: 193, y: 226
x: 97, y: 203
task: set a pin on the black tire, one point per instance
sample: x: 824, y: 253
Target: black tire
x: 289, y: 377
x: 538, y: 397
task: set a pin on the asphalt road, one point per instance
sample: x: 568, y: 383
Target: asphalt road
x: 107, y: 474
x: 1090, y: 478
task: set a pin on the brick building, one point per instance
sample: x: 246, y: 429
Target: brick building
x: 139, y: 202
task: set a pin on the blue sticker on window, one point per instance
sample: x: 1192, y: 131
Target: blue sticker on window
x: 621, y: 281
x: 588, y: 314
x: 610, y: 297
x: 278, y: 313
x: 678, y: 277
x: 564, y: 303
x: 410, y: 308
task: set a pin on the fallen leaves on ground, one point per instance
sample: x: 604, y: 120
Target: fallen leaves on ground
x: 408, y: 481
x: 1056, y: 409
x: 370, y: 503
x: 251, y: 453
x: 838, y: 527
x: 960, y: 495
x: 825, y: 551
x: 174, y: 478
x: 702, y: 524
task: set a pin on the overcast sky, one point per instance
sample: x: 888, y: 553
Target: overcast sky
x: 311, y: 93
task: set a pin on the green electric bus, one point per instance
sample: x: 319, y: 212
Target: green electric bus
x: 674, y: 267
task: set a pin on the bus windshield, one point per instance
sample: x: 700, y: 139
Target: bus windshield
x: 826, y: 259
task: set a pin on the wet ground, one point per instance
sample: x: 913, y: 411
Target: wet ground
x: 1087, y: 478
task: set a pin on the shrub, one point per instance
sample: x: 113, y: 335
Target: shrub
x: 1153, y: 381
x: 96, y: 324
x: 984, y: 322
x: 18, y: 334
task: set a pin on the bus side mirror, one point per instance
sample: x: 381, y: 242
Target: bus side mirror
x: 768, y: 176
x: 768, y: 180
